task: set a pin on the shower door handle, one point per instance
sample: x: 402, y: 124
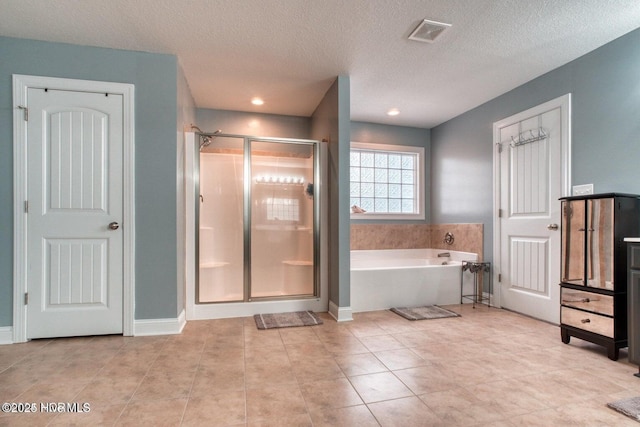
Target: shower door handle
x: 114, y: 226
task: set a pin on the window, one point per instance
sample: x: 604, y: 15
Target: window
x: 386, y: 181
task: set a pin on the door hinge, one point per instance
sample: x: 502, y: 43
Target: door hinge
x: 26, y: 298
x: 499, y: 277
x: 25, y: 110
x: 499, y: 213
x: 26, y: 206
x: 499, y: 145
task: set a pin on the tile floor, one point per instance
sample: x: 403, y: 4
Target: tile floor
x: 489, y: 367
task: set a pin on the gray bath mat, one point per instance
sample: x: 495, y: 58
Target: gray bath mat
x: 630, y: 407
x: 422, y: 313
x: 287, y: 320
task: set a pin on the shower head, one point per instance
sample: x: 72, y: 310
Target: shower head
x: 205, y: 140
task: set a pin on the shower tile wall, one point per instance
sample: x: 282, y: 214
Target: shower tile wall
x: 468, y: 237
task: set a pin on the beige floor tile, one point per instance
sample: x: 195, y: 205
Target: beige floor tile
x: 99, y: 415
x: 400, y: 359
x: 487, y: 368
x: 262, y: 374
x: 299, y: 420
x: 158, y: 413
x: 352, y: 416
x: 378, y: 387
x: 316, y: 370
x: 301, y: 351
x: 381, y: 342
x: 109, y: 390
x: 164, y: 386
x: 408, y: 411
x: 222, y: 409
x: 360, y: 364
x: 321, y: 395
x: 274, y: 401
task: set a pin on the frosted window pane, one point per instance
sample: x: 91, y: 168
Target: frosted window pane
x: 394, y: 191
x: 381, y: 190
x: 381, y: 176
x: 366, y: 175
x: 407, y: 162
x: 407, y: 206
x: 383, y: 182
x: 394, y: 161
x: 381, y: 205
x: 395, y: 176
x: 355, y: 189
x: 381, y: 160
x: 366, y: 159
x: 355, y: 158
x: 367, y: 204
x: 354, y: 174
x: 407, y: 192
x: 366, y: 189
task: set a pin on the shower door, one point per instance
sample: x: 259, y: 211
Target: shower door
x: 257, y: 220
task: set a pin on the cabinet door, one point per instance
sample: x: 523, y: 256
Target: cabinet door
x: 600, y: 243
x: 573, y: 241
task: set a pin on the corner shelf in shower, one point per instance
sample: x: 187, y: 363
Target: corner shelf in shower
x: 298, y: 263
x: 281, y: 228
x: 213, y: 264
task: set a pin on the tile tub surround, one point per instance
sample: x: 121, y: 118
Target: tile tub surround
x: 468, y: 237
x: 379, y: 370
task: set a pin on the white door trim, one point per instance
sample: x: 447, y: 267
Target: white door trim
x: 20, y: 85
x: 564, y: 103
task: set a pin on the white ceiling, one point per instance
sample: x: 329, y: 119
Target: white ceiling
x: 290, y: 51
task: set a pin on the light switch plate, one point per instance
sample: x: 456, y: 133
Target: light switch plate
x: 581, y: 190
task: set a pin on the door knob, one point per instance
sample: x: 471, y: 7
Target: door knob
x: 553, y: 227
x: 114, y: 226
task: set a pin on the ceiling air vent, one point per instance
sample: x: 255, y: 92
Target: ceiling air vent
x: 428, y: 31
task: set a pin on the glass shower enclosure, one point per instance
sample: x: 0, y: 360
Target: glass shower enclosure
x: 257, y: 219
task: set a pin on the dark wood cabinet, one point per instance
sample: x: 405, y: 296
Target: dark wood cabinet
x: 594, y: 267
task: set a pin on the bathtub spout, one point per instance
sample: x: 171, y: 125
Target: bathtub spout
x: 444, y: 254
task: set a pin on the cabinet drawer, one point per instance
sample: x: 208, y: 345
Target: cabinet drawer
x: 587, y: 321
x: 597, y: 303
x: 634, y: 258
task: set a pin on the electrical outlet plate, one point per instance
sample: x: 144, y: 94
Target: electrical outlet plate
x: 581, y: 190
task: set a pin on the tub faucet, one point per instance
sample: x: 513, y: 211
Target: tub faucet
x: 444, y: 254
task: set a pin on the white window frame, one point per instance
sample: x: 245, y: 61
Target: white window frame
x: 419, y: 185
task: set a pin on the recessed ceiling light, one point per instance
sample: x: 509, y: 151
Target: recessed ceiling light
x: 393, y: 112
x: 427, y: 31
x: 257, y: 101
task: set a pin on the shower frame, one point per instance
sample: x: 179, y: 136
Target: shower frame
x: 247, y: 217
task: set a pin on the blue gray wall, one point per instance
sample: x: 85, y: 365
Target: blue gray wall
x: 330, y: 122
x: 154, y: 77
x: 373, y: 133
x: 605, y: 88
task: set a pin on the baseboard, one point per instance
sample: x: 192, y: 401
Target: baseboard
x: 341, y: 314
x: 6, y: 335
x: 145, y: 327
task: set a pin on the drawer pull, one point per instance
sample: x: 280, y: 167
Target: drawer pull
x: 586, y: 321
x: 576, y: 300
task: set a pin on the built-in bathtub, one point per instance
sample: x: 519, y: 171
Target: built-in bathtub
x: 381, y: 279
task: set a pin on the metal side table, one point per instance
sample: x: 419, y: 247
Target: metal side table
x: 477, y: 268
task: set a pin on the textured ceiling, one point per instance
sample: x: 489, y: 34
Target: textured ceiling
x: 290, y: 51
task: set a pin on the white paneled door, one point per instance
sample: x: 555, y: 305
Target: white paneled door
x: 531, y: 177
x: 75, y: 210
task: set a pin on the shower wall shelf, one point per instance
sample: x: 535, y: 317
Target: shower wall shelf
x: 213, y: 264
